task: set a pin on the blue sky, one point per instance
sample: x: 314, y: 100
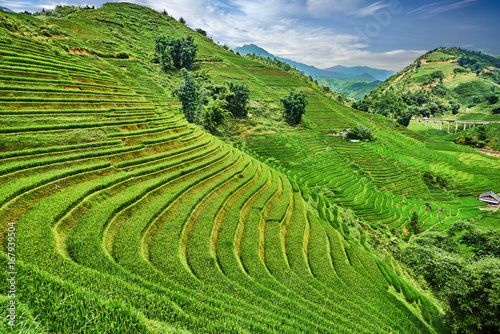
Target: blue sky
x: 387, y: 34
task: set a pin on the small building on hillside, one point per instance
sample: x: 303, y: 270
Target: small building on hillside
x: 341, y: 133
x: 490, y: 198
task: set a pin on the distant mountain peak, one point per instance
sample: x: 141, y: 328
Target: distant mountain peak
x: 335, y: 72
x: 361, y: 71
x: 253, y: 49
x: 6, y: 9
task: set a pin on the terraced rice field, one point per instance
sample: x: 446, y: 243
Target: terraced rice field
x: 126, y: 219
x: 380, y: 181
x: 129, y: 220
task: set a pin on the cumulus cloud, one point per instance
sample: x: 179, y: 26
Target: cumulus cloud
x: 265, y: 24
x: 395, y: 60
x: 282, y: 27
x: 282, y: 33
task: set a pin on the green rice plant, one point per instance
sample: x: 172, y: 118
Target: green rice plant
x: 57, y: 127
x: 53, y: 149
x: 146, y: 131
x: 25, y: 164
x: 22, y: 185
x: 158, y: 157
x: 65, y: 307
x: 168, y: 138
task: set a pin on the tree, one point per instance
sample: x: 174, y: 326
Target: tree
x: 455, y: 107
x: 404, y: 118
x: 176, y: 52
x: 413, y: 225
x: 389, y: 104
x: 201, y: 32
x: 437, y: 75
x: 492, y: 99
x: 237, y: 98
x: 294, y: 106
x: 214, y: 114
x: 189, y: 97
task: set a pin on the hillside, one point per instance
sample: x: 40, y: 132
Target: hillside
x: 353, y: 82
x: 444, y: 78
x: 120, y: 216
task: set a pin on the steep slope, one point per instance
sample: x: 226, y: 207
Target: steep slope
x: 445, y: 77
x: 119, y: 216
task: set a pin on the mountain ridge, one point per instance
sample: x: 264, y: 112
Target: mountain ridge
x: 335, y: 72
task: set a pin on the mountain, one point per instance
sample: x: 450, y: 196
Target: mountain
x: 118, y: 215
x: 445, y: 82
x: 253, y: 49
x: 354, y: 82
x: 6, y: 9
x: 361, y: 71
x: 336, y: 72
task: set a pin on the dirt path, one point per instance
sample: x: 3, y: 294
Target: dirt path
x: 488, y: 152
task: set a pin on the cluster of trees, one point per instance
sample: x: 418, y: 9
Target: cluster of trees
x: 462, y: 266
x: 477, y: 137
x: 402, y: 106
x: 470, y: 63
x: 208, y: 104
x: 273, y: 62
x: 61, y: 11
x: 359, y: 132
x: 432, y: 180
x: 175, y: 53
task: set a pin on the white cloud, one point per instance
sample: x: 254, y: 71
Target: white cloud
x: 395, y: 60
x: 266, y: 24
x: 277, y: 26
x: 372, y: 9
x: 21, y: 6
x: 436, y: 8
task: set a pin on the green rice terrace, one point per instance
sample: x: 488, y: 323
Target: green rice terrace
x: 119, y: 216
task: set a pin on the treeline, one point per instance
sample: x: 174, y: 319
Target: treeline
x: 402, y: 106
x: 60, y: 11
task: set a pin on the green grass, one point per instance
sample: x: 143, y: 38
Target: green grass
x: 129, y: 219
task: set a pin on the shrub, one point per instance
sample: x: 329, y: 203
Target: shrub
x: 359, y: 132
x: 493, y: 99
x: 121, y: 55
x: 201, y: 32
